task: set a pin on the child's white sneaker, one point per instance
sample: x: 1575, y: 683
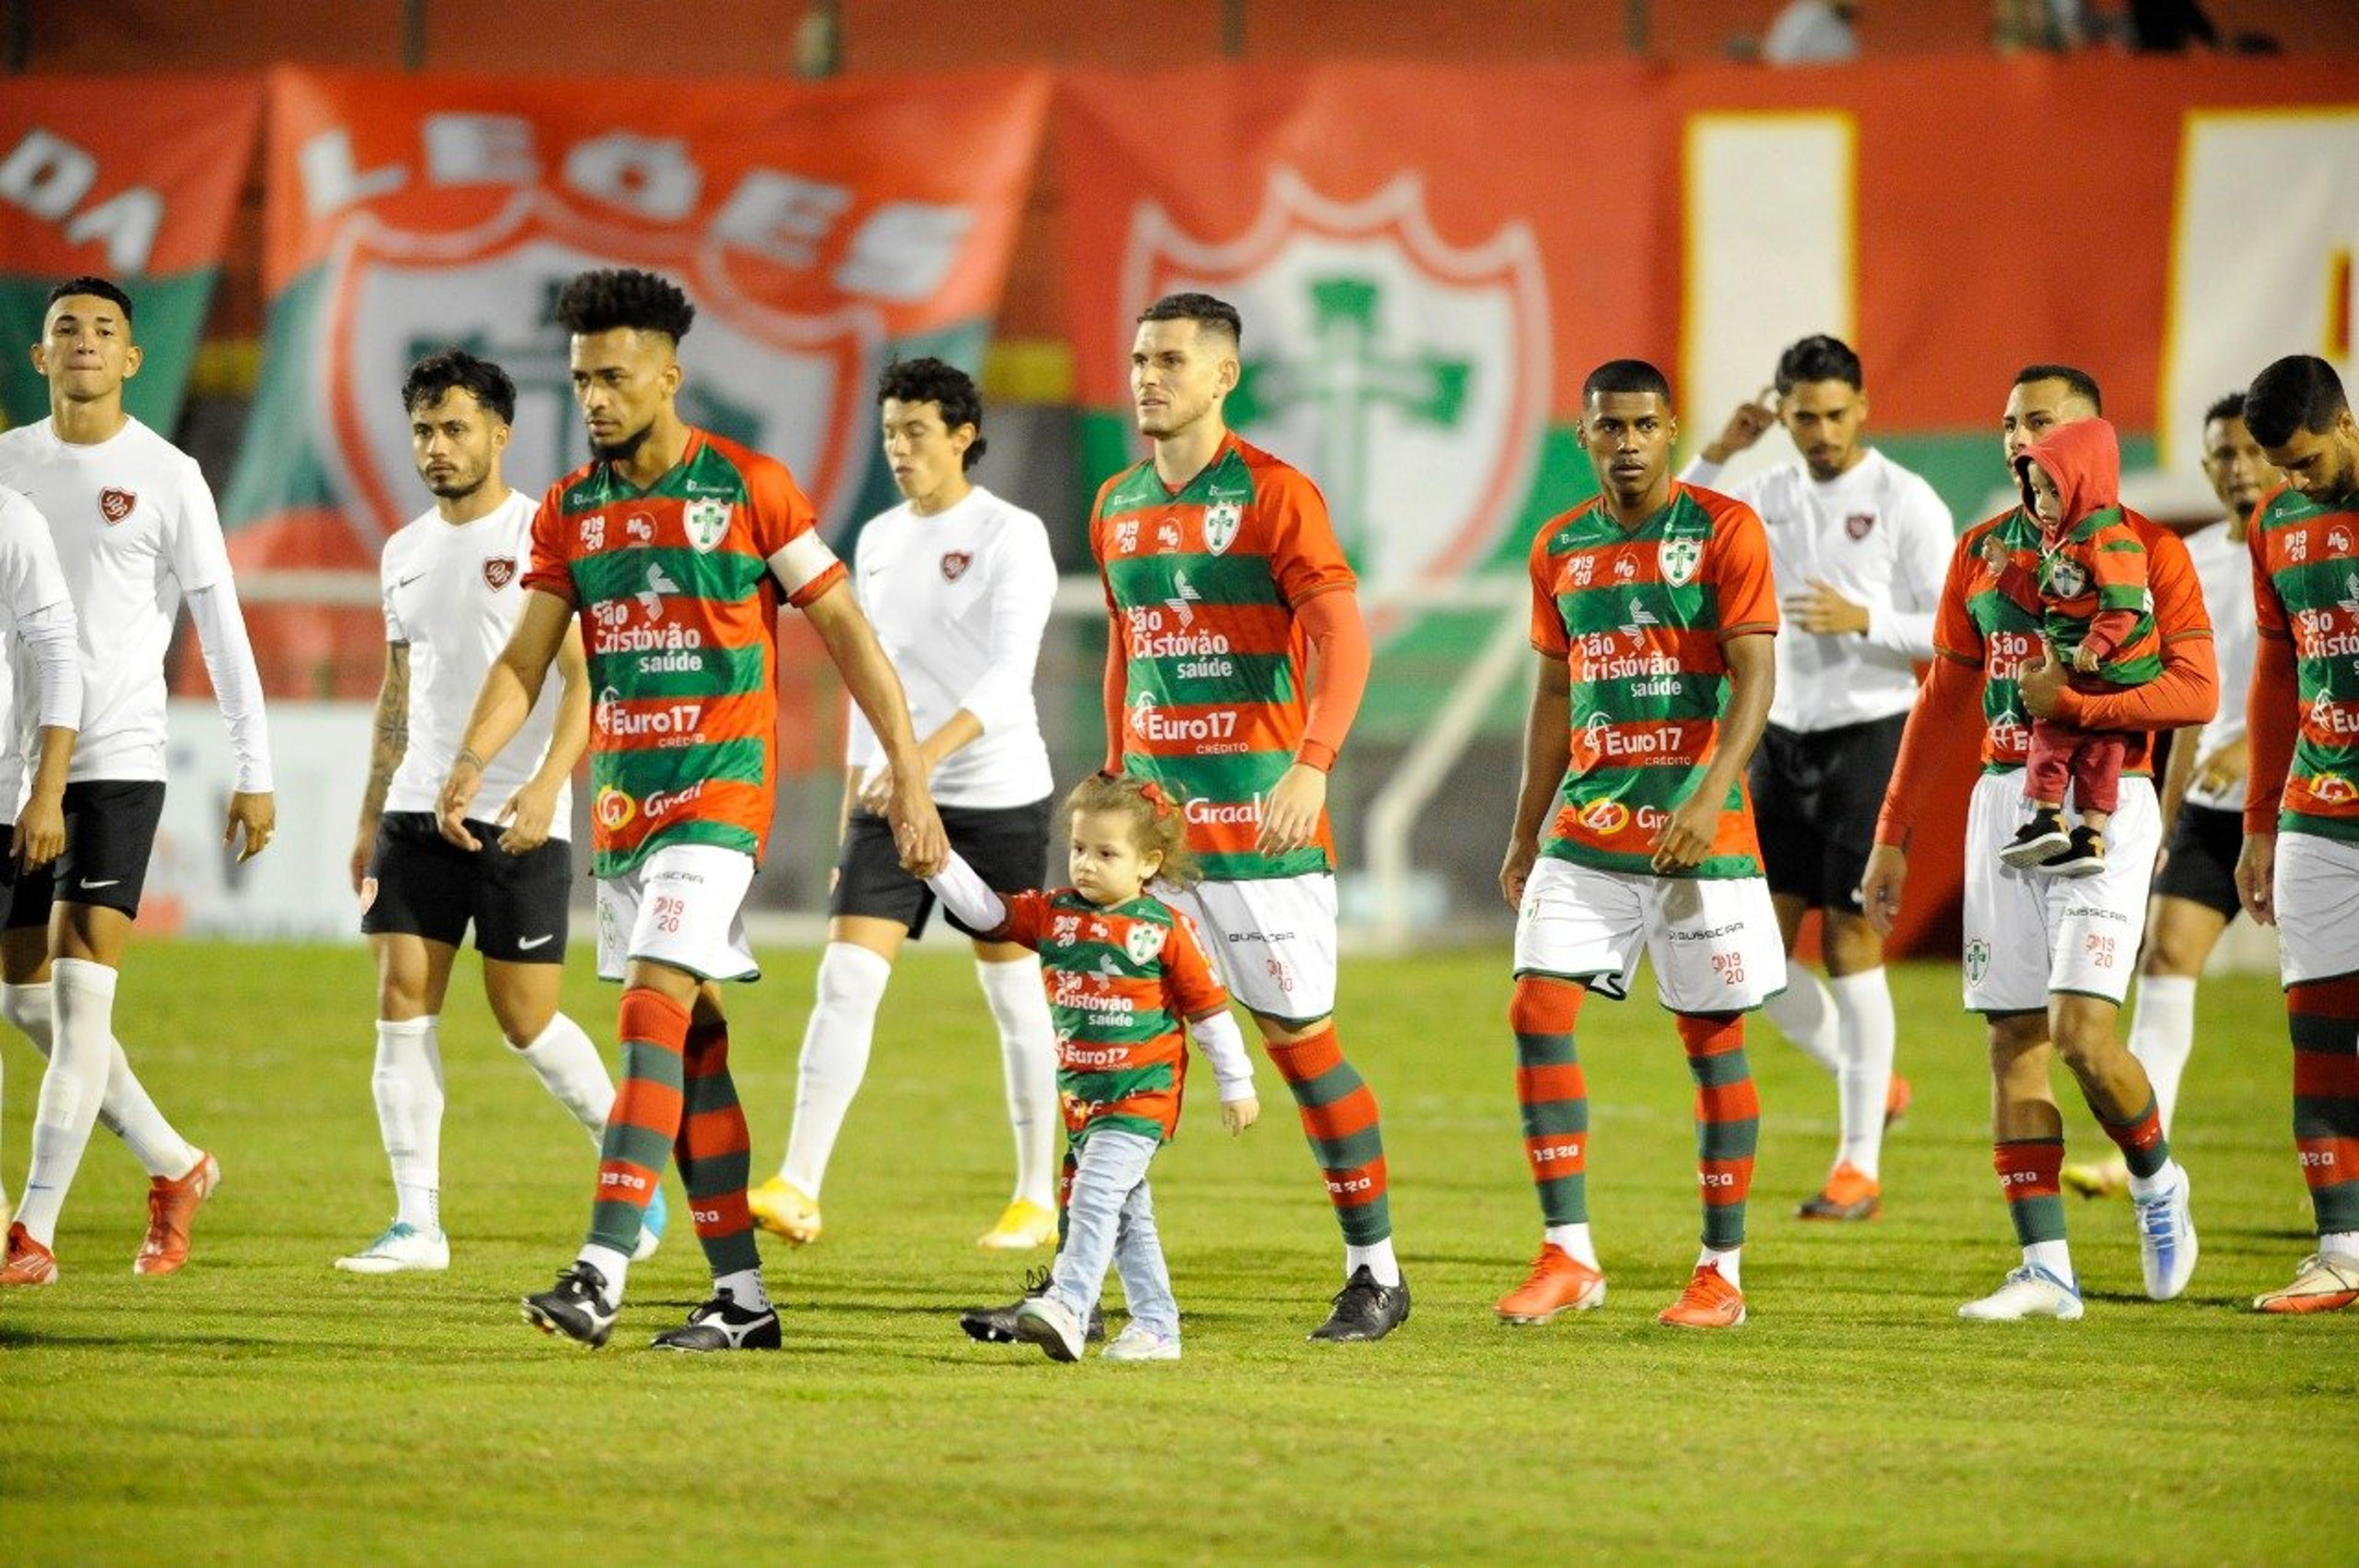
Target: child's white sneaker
x: 1138, y: 1343
x: 1050, y: 1324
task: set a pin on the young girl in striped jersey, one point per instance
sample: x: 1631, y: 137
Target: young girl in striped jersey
x: 1125, y: 972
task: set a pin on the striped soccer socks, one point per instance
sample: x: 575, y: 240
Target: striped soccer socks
x: 714, y: 1156
x: 640, y: 1128
x: 1728, y: 1123
x: 1553, y: 1098
x: 2323, y: 1016
x: 1339, y: 1118
x: 2029, y: 1172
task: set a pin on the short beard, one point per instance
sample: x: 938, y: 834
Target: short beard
x: 622, y: 451
x: 456, y: 489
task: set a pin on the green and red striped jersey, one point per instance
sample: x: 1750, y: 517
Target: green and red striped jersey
x: 1980, y: 624
x: 2093, y: 579
x: 678, y: 587
x: 2306, y: 591
x: 1203, y: 584
x: 1122, y: 983
x: 1639, y: 615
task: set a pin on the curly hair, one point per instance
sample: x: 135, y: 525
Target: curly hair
x: 435, y: 376
x: 929, y: 380
x: 1158, y: 818
x: 623, y: 296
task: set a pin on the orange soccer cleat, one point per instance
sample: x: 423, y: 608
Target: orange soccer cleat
x: 1849, y: 1194
x: 1898, y: 1094
x: 1709, y: 1302
x: 1559, y: 1283
x: 28, y: 1262
x: 171, y: 1204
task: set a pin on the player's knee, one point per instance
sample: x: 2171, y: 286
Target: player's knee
x: 1852, y: 945
x: 2172, y: 952
x: 2085, y: 1036
x: 401, y: 997
x: 851, y: 976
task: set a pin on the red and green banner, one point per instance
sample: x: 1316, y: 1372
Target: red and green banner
x: 822, y: 229
x: 132, y: 178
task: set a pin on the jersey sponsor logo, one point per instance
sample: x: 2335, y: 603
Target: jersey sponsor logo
x: 667, y: 647
x: 954, y: 564
x: 2332, y: 789
x: 664, y: 802
x: 613, y: 809
x: 1222, y: 521
x: 1143, y: 942
x: 639, y: 530
x: 1083, y: 1059
x: 1859, y: 523
x: 1204, y: 653
x: 660, y: 583
x: 674, y: 724
x: 498, y: 571
x: 1080, y: 993
x: 1677, y: 560
x: 526, y: 944
x: 1202, y: 813
x: 706, y: 522
x: 2006, y: 654
x: 115, y: 503
x: 1633, y: 742
x: 1209, y: 732
x: 2338, y: 541
x: 1409, y: 375
x: 1167, y: 538
x: 1184, y: 600
x: 1604, y: 817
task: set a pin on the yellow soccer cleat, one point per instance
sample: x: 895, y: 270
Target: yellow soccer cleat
x: 786, y: 1211
x: 2098, y: 1179
x: 1022, y: 1227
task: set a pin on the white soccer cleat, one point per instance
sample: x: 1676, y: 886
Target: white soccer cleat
x: 1137, y: 1344
x: 2030, y: 1292
x: 403, y: 1248
x: 2167, y: 1244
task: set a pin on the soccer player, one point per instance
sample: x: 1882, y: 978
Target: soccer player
x: 1653, y: 614
x: 451, y: 587
x: 2202, y: 792
x: 2048, y: 959
x: 1857, y: 545
x: 958, y: 584
x: 2299, y: 867
x: 674, y: 546
x: 1236, y: 662
x: 35, y: 616
x: 137, y: 535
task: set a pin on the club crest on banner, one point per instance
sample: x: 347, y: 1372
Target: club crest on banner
x: 498, y: 571
x: 116, y: 504
x: 785, y: 385
x: 706, y: 522
x: 1407, y: 375
x: 1677, y: 559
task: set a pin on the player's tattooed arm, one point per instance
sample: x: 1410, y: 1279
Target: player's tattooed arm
x: 389, y: 742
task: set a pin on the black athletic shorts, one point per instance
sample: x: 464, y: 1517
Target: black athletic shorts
x: 1007, y: 847
x: 1815, y: 801
x: 110, y: 834
x: 2202, y: 865
x: 421, y: 884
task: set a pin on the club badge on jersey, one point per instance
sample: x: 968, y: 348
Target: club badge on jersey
x: 498, y: 571
x: 1222, y: 521
x: 705, y: 522
x: 954, y: 564
x: 114, y: 505
x: 1677, y: 559
x: 1859, y: 523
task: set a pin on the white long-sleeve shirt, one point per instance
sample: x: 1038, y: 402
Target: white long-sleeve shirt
x: 136, y: 530
x: 1878, y: 536
x: 2225, y: 568
x: 41, y: 667
x: 959, y: 600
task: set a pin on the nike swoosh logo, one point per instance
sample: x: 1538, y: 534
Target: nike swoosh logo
x: 89, y: 886
x: 524, y: 945
x: 404, y: 582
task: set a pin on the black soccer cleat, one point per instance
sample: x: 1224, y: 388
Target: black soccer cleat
x: 2036, y: 840
x: 996, y: 1325
x: 722, y: 1325
x: 2083, y: 856
x: 1364, y: 1309
x: 575, y: 1307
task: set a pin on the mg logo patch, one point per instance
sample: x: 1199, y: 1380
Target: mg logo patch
x: 1406, y: 376
x: 1677, y: 560
x: 707, y: 523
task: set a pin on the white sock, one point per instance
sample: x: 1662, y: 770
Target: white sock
x: 1727, y: 1262
x: 1864, y: 1028
x: 567, y: 1063
x: 2162, y: 1035
x: 1574, y: 1241
x: 1027, y: 1060
x: 2162, y: 1181
x: 2056, y: 1257
x: 407, y: 1084
x: 72, y: 1089
x: 835, y: 1057
x: 1805, y: 1013
x: 743, y: 1287
x: 610, y: 1263
x: 1378, y: 1259
x: 126, y: 1110
x: 2341, y: 1243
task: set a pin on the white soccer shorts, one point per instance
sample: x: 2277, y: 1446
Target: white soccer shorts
x: 2030, y: 936
x: 2317, y: 907
x: 1274, y: 940
x: 683, y: 907
x: 1713, y: 940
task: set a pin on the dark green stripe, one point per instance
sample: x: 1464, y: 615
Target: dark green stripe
x: 1211, y: 680
x: 1249, y: 866
x: 1105, y: 1089
x: 1338, y: 1082
x: 717, y: 672
x: 1093, y: 1028
x: 1114, y: 1122
x: 1737, y: 1139
x: 724, y: 576
x: 1215, y: 580
x: 1556, y: 1117
x: 653, y: 1063
x: 1720, y: 1071
x: 639, y: 1145
x: 2336, y: 1208
x: 2321, y: 1036
x: 2037, y: 1219
x: 2325, y: 1116
x: 667, y: 770
x: 1349, y: 1153
x: 1141, y: 490
x: 1712, y: 868
x: 1723, y: 1226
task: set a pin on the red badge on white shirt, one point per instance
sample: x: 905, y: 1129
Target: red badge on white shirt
x: 499, y: 571
x: 1858, y: 524
x: 114, y: 505
x: 954, y: 564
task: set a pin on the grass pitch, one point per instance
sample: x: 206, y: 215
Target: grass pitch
x: 260, y: 1407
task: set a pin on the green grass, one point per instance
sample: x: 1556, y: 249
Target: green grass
x: 260, y: 1407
